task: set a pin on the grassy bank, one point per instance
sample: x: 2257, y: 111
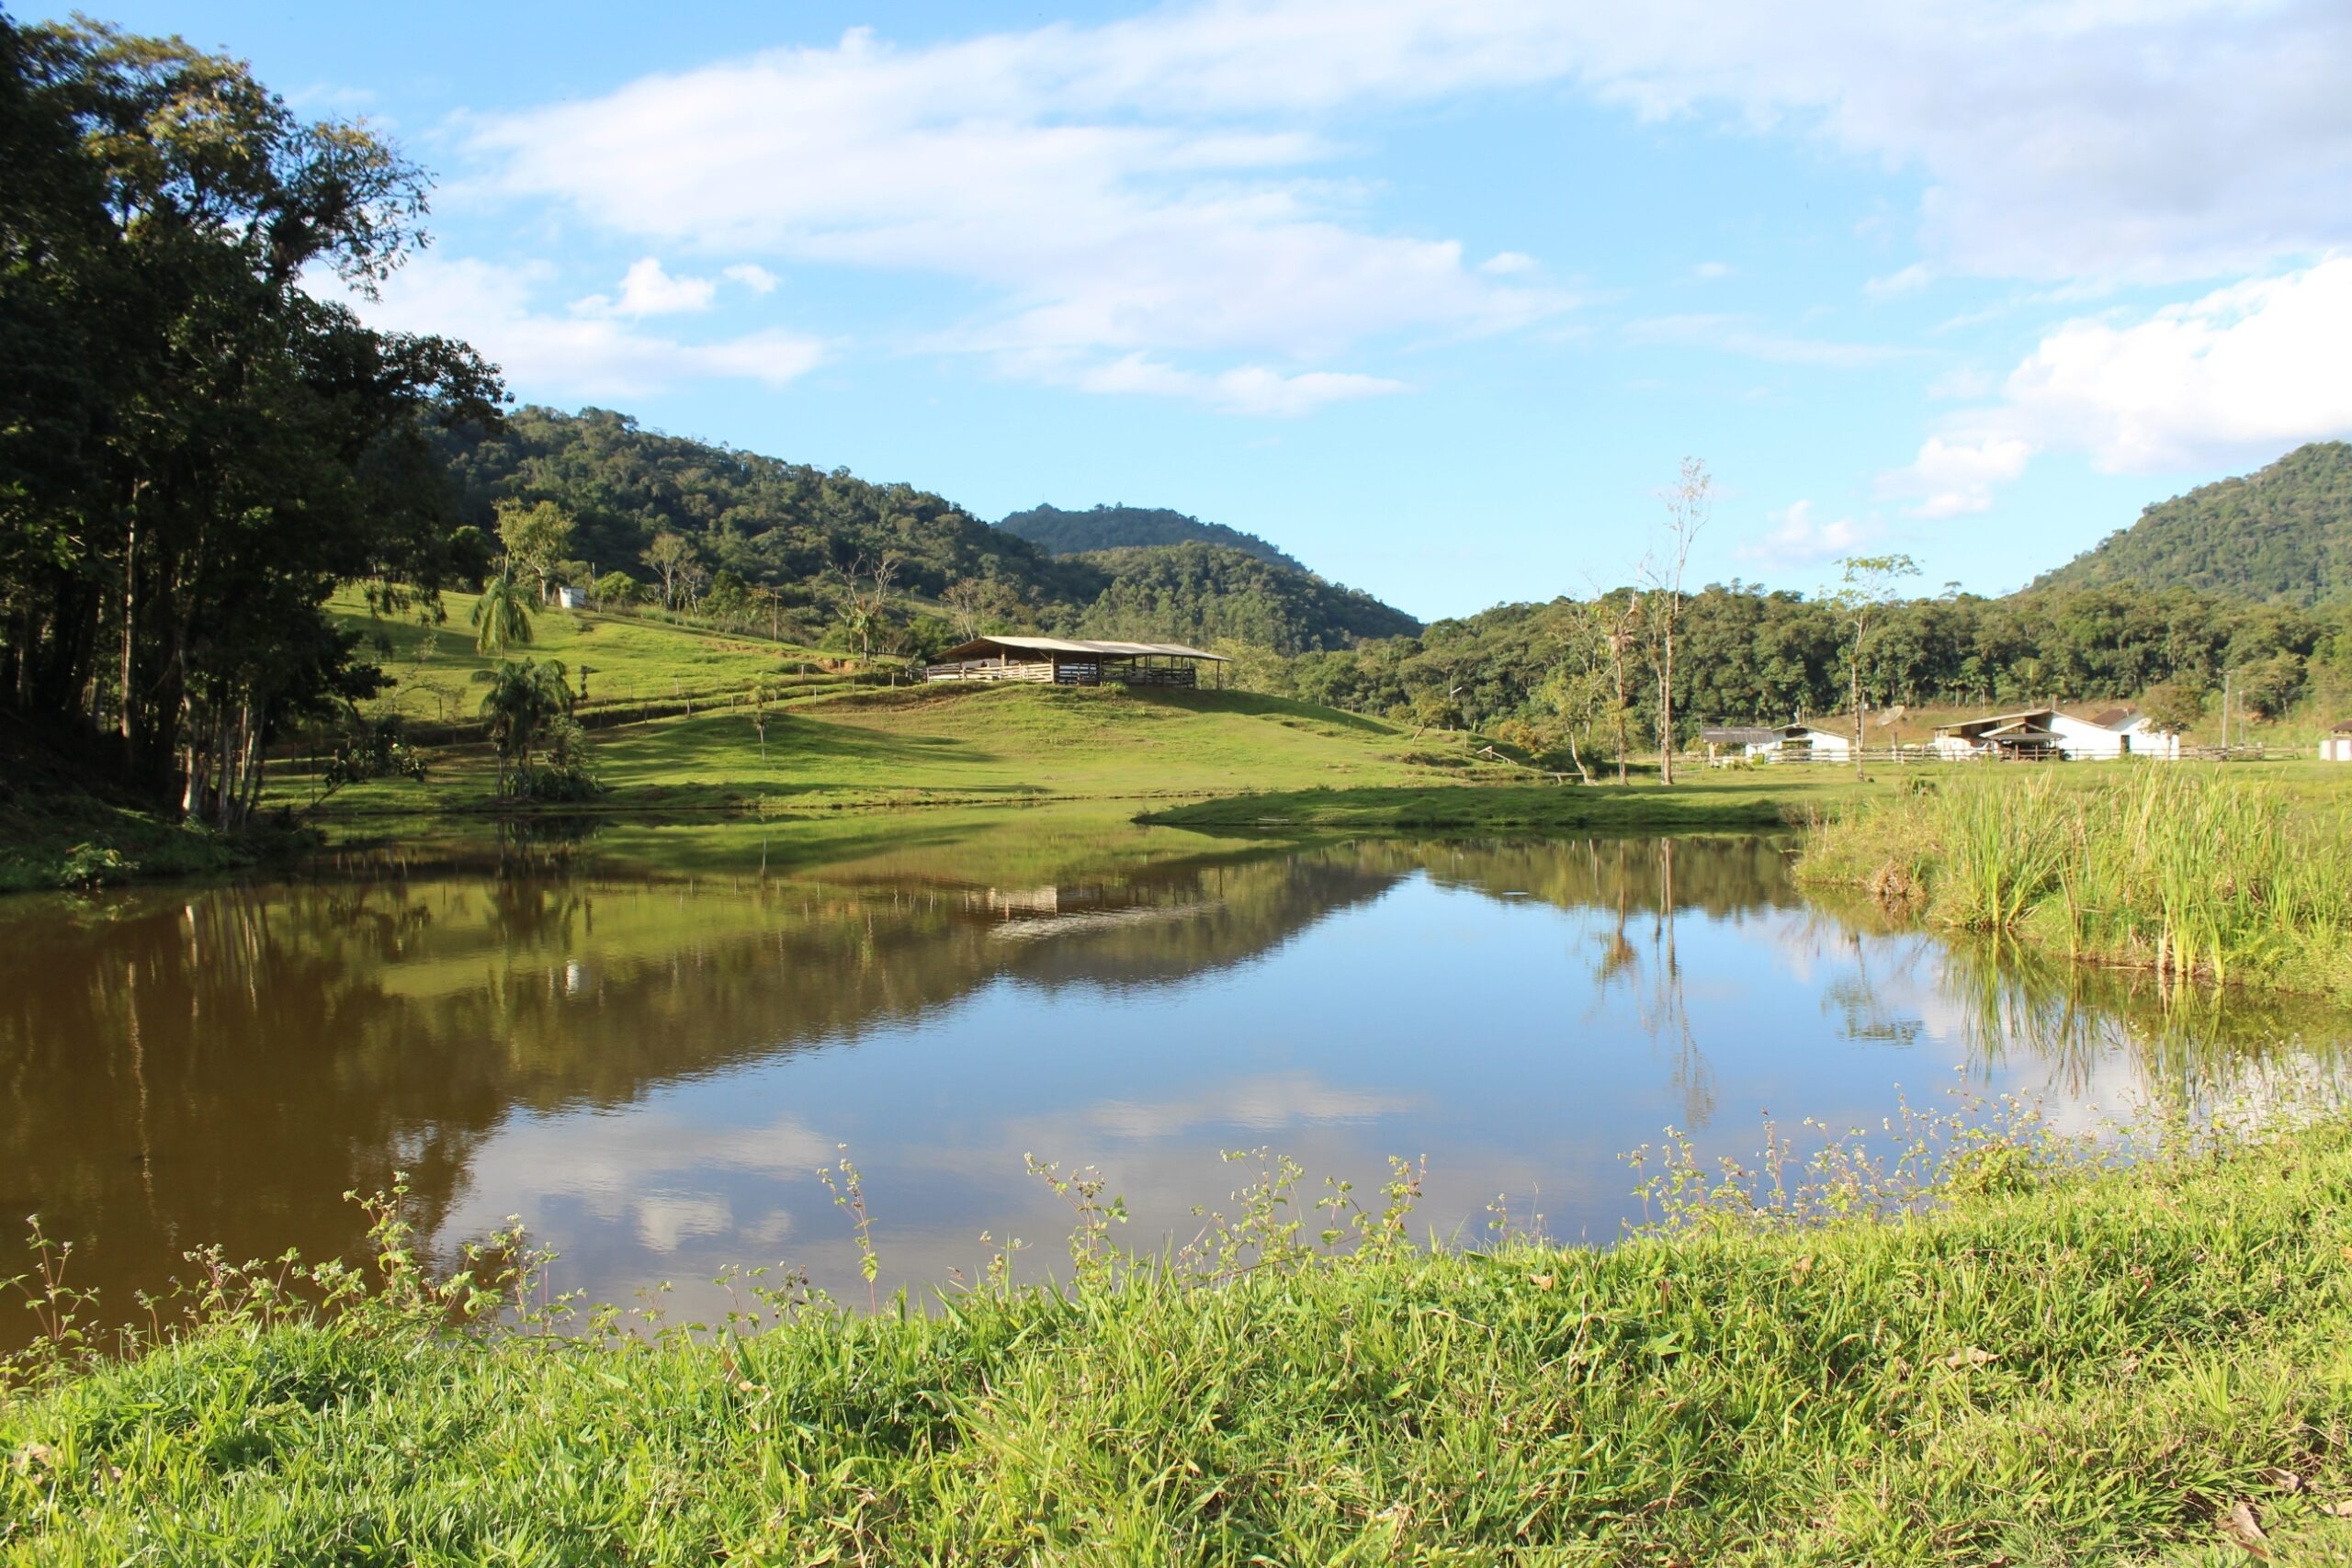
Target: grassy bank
x: 2062, y: 1364
x: 2199, y: 873
x: 1723, y: 802
x: 62, y: 825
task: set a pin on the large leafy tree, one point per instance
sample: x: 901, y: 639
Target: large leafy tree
x: 207, y: 445
x: 536, y: 537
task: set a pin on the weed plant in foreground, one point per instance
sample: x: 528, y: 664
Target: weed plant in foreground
x: 2199, y: 874
x: 1998, y: 1345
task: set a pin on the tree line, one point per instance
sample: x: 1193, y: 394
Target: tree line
x: 1588, y: 670
x: 193, y: 448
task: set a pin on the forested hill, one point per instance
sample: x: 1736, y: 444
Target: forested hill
x: 2284, y: 533
x: 1064, y: 533
x: 762, y: 518
x: 1201, y: 592
x: 761, y: 524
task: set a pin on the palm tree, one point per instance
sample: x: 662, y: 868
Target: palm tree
x: 503, y: 613
x: 523, y: 701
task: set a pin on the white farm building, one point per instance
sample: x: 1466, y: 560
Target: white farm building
x: 1778, y: 743
x: 2035, y: 734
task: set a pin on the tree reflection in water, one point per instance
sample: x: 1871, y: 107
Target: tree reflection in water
x: 223, y: 1064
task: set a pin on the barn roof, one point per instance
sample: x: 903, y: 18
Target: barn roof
x: 1737, y: 734
x: 980, y: 646
x: 1996, y: 721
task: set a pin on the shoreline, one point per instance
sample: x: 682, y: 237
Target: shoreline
x: 2154, y: 1344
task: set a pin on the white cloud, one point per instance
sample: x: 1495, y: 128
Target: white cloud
x: 1170, y: 186
x: 2147, y: 137
x: 2235, y: 375
x: 1738, y: 335
x: 576, y: 354
x: 1711, y: 270
x: 648, y: 290
x: 1800, y: 540
x: 1954, y: 475
x: 1012, y: 163
x: 1910, y: 280
x: 751, y: 275
x: 1247, y: 390
x: 2229, y: 379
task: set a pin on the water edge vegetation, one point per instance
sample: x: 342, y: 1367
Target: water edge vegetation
x: 2199, y: 874
x: 1992, y: 1343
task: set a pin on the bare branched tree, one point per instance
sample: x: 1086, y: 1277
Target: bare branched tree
x: 864, y: 597
x: 1689, y: 504
x: 1867, y: 588
x: 1615, y: 628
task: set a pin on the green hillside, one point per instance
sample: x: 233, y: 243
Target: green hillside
x: 762, y: 518
x: 956, y: 745
x: 1202, y: 593
x: 773, y: 539
x: 2283, y: 533
x: 1106, y: 527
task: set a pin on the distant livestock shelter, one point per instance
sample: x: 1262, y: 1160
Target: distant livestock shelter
x: 1778, y: 743
x: 2034, y: 734
x: 1062, y: 661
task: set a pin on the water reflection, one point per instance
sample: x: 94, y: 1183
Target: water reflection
x: 648, y: 1070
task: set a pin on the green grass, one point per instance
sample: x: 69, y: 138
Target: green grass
x: 2062, y: 1363
x: 1211, y: 760
x: 2214, y: 875
x: 967, y: 746
x: 60, y: 829
x: 632, y: 660
x: 1720, y: 802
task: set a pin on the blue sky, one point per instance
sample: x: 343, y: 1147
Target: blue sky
x: 1433, y: 295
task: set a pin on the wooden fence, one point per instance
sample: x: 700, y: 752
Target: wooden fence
x: 1069, y: 672
x: 988, y: 669
x: 1928, y: 756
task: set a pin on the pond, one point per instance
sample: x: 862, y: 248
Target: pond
x: 649, y: 1065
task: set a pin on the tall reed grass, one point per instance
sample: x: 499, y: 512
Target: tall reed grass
x: 2199, y: 874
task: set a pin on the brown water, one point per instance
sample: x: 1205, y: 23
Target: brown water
x: 650, y: 1069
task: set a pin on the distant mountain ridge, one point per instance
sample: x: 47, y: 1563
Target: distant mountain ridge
x: 1107, y: 527
x: 2281, y: 533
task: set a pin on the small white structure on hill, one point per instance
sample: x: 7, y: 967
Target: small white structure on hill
x: 2049, y: 733
x: 572, y: 598
x: 2336, y: 745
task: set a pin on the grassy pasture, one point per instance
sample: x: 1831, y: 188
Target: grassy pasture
x: 971, y: 745
x: 630, y: 658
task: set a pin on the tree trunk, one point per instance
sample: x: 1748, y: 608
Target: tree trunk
x: 1666, y: 710
x: 1858, y: 709
x: 129, y: 619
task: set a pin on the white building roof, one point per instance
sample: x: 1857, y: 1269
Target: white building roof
x: 1052, y: 644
